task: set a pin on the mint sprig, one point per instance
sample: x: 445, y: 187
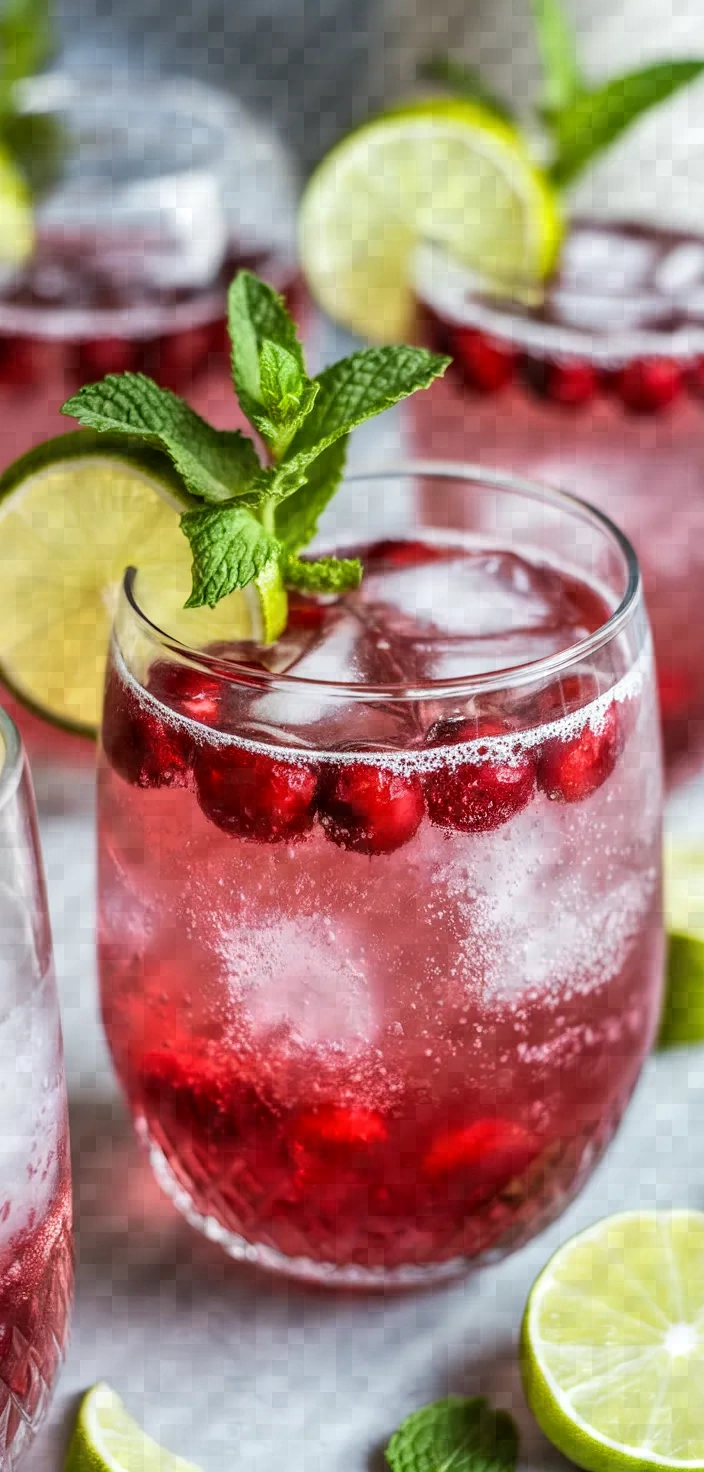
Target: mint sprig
x: 247, y: 518
x: 460, y: 1432
x: 582, y: 119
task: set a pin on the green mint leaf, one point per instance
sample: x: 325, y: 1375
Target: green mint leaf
x: 465, y: 81
x: 287, y: 395
x: 26, y: 41
x: 597, y: 118
x: 257, y: 314
x: 230, y: 548
x: 297, y: 516
x: 562, y: 78
x: 460, y: 1433
x: 323, y: 575
x: 215, y: 464
x: 38, y: 143
x: 356, y: 389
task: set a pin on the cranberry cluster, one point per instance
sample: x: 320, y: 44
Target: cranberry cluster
x: 173, y: 358
x: 362, y: 807
x: 643, y: 386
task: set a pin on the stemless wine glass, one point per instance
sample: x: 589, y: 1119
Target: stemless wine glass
x: 36, y: 1244
x: 380, y: 937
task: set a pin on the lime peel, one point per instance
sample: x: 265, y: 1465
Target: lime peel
x: 682, y: 1019
x: 107, y: 1439
x: 612, y: 1344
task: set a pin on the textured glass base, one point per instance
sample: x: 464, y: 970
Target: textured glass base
x: 323, y: 1274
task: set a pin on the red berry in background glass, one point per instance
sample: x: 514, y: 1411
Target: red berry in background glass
x: 649, y: 385
x: 490, y: 1152
x: 194, y: 694
x: 249, y: 794
x: 482, y: 793
x: 572, y: 767
x: 694, y: 376
x: 28, y: 361
x: 675, y: 691
x: 571, y: 384
x: 100, y: 355
x: 140, y: 746
x: 485, y: 363
x: 370, y: 809
x: 179, y: 356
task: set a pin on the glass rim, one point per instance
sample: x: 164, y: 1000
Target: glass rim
x: 453, y: 301
x: 513, y: 676
x: 11, y: 758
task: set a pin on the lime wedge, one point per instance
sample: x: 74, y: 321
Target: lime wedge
x: 683, y: 1007
x: 16, y: 218
x: 106, y: 1439
x: 73, y: 514
x: 442, y: 172
x: 612, y: 1348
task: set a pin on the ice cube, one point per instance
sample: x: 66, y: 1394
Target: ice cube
x: 681, y: 268
x: 607, y: 260
x: 478, y: 596
x: 306, y: 975
x: 600, y: 313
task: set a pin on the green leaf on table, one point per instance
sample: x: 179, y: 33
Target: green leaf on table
x: 216, y: 464
x: 462, y: 1433
x: 323, y: 574
x: 464, y: 81
x: 596, y: 119
x: 230, y: 549
x: 297, y: 516
x: 562, y: 81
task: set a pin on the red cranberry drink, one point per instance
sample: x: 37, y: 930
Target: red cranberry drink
x: 598, y: 389
x: 36, y: 1252
x: 380, y: 942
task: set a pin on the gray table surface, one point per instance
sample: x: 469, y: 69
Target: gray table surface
x: 235, y: 1369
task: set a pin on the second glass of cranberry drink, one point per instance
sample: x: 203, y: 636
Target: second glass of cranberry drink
x: 598, y: 390
x: 380, y: 942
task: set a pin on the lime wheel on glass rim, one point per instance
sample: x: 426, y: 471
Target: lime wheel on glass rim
x: 74, y: 513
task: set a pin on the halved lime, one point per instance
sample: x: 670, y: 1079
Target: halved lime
x: 16, y: 218
x: 443, y: 172
x: 683, y: 1006
x: 612, y: 1347
x: 107, y: 1439
x: 73, y: 514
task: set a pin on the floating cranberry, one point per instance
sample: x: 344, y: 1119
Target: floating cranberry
x: 250, y: 794
x: 571, y: 384
x: 202, y: 1097
x: 370, y: 809
x: 98, y: 356
x: 178, y: 357
x: 305, y: 613
x: 480, y: 794
x: 186, y: 690
x: 571, y: 768
x: 486, y: 364
x: 144, y: 749
x: 491, y: 1151
x: 570, y: 693
x: 648, y: 385
x: 332, y: 1126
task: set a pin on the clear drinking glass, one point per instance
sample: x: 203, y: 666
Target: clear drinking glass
x: 597, y: 388
x: 162, y: 189
x: 36, y: 1244
x: 380, y: 939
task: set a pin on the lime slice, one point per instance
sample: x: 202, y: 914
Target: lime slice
x: 73, y: 514
x: 106, y: 1439
x: 16, y: 218
x: 443, y: 172
x: 683, y: 1007
x: 612, y: 1348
